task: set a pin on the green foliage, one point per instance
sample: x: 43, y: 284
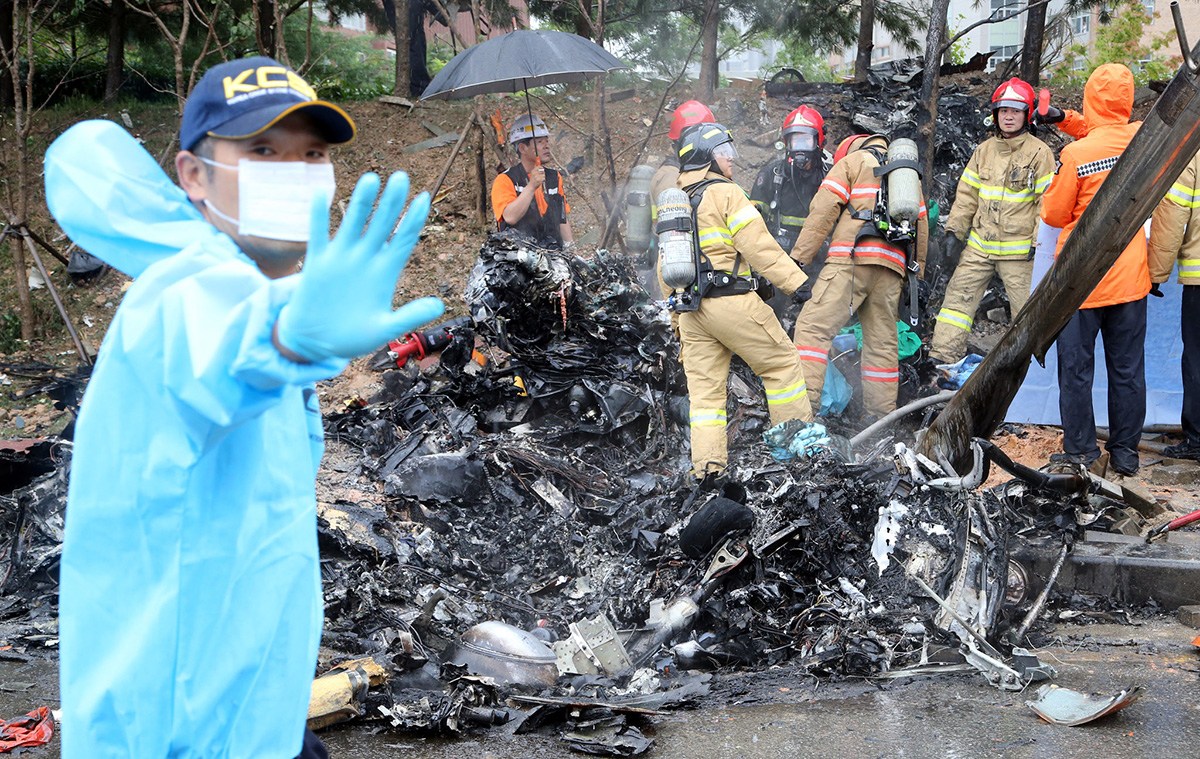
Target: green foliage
x: 958, y: 51
x: 1120, y: 39
x: 437, y: 55
x: 10, y: 332
x: 344, y: 67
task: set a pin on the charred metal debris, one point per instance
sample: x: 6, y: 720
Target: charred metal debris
x: 509, y: 537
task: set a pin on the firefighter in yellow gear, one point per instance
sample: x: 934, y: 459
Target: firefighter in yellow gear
x: 736, y: 249
x: 863, y: 275
x: 993, y: 223
x: 1175, y: 233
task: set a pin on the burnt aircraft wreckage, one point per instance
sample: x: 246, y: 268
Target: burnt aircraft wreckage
x: 508, y: 533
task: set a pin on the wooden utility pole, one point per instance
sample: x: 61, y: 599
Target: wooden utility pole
x: 1167, y: 140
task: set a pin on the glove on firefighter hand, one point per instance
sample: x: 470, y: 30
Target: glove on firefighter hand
x: 342, y: 305
x: 1156, y: 291
x: 952, y: 249
x: 803, y: 293
x: 1051, y: 116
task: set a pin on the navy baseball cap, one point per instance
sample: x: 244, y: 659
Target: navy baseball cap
x: 242, y: 98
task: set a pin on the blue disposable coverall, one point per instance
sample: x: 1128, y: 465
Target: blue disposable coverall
x: 190, y: 595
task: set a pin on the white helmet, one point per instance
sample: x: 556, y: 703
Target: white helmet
x: 527, y: 127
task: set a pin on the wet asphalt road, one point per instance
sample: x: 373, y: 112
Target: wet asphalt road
x: 947, y: 716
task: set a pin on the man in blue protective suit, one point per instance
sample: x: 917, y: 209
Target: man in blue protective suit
x: 190, y: 606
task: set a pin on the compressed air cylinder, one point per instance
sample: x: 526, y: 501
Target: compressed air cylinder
x: 676, y: 258
x: 904, y: 185
x: 637, y: 209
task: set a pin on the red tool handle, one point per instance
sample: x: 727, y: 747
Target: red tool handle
x: 1043, y: 106
x: 1184, y: 520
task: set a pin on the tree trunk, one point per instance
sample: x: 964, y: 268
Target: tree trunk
x: 115, y: 60
x: 6, y: 43
x: 866, y: 40
x: 928, y: 100
x: 1031, y: 55
x: 400, y: 35
x: 18, y: 46
x: 1167, y: 140
x: 706, y: 87
x: 264, y: 26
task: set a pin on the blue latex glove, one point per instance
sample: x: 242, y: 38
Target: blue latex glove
x: 796, y: 439
x: 343, y: 304
x: 953, y: 376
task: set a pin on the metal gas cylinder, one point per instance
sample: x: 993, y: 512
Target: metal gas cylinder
x: 904, y: 184
x: 637, y: 209
x: 676, y: 256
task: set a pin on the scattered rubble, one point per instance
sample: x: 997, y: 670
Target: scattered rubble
x: 538, y: 543
x: 514, y: 541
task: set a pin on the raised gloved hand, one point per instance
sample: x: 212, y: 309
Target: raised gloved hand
x: 796, y: 439
x: 1156, y: 291
x: 803, y: 293
x: 342, y: 305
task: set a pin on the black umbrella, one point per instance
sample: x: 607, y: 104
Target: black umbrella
x: 520, y: 60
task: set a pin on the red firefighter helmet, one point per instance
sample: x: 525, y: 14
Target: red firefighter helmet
x: 803, y: 119
x: 844, y: 147
x: 1014, y: 94
x: 689, y: 114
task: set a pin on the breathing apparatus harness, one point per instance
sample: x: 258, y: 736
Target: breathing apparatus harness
x: 880, y: 221
x: 787, y: 171
x: 709, y: 282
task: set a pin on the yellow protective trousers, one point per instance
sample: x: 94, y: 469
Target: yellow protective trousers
x: 745, y: 325
x: 873, y: 292
x: 963, y: 293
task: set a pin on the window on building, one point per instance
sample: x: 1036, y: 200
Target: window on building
x: 1148, y: 5
x: 880, y: 53
x: 1001, y: 8
x: 1001, y: 55
x: 1081, y: 23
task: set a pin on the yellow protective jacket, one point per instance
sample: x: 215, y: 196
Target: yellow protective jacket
x: 852, y: 187
x: 997, y: 202
x: 728, y: 224
x: 1176, y: 229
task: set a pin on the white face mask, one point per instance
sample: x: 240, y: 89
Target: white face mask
x: 275, y: 197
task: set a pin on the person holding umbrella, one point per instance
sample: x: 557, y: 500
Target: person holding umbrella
x: 529, y: 197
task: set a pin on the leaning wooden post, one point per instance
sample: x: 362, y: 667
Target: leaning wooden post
x: 62, y: 310
x: 453, y: 154
x: 1166, y: 141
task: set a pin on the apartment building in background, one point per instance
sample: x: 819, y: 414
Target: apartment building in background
x: 1003, y: 39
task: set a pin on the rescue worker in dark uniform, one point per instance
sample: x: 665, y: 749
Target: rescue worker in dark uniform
x: 529, y: 197
x: 736, y: 248
x: 785, y: 187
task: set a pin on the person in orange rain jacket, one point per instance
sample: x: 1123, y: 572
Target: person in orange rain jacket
x: 1116, y: 308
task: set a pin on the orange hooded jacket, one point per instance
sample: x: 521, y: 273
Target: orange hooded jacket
x: 1107, y: 105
